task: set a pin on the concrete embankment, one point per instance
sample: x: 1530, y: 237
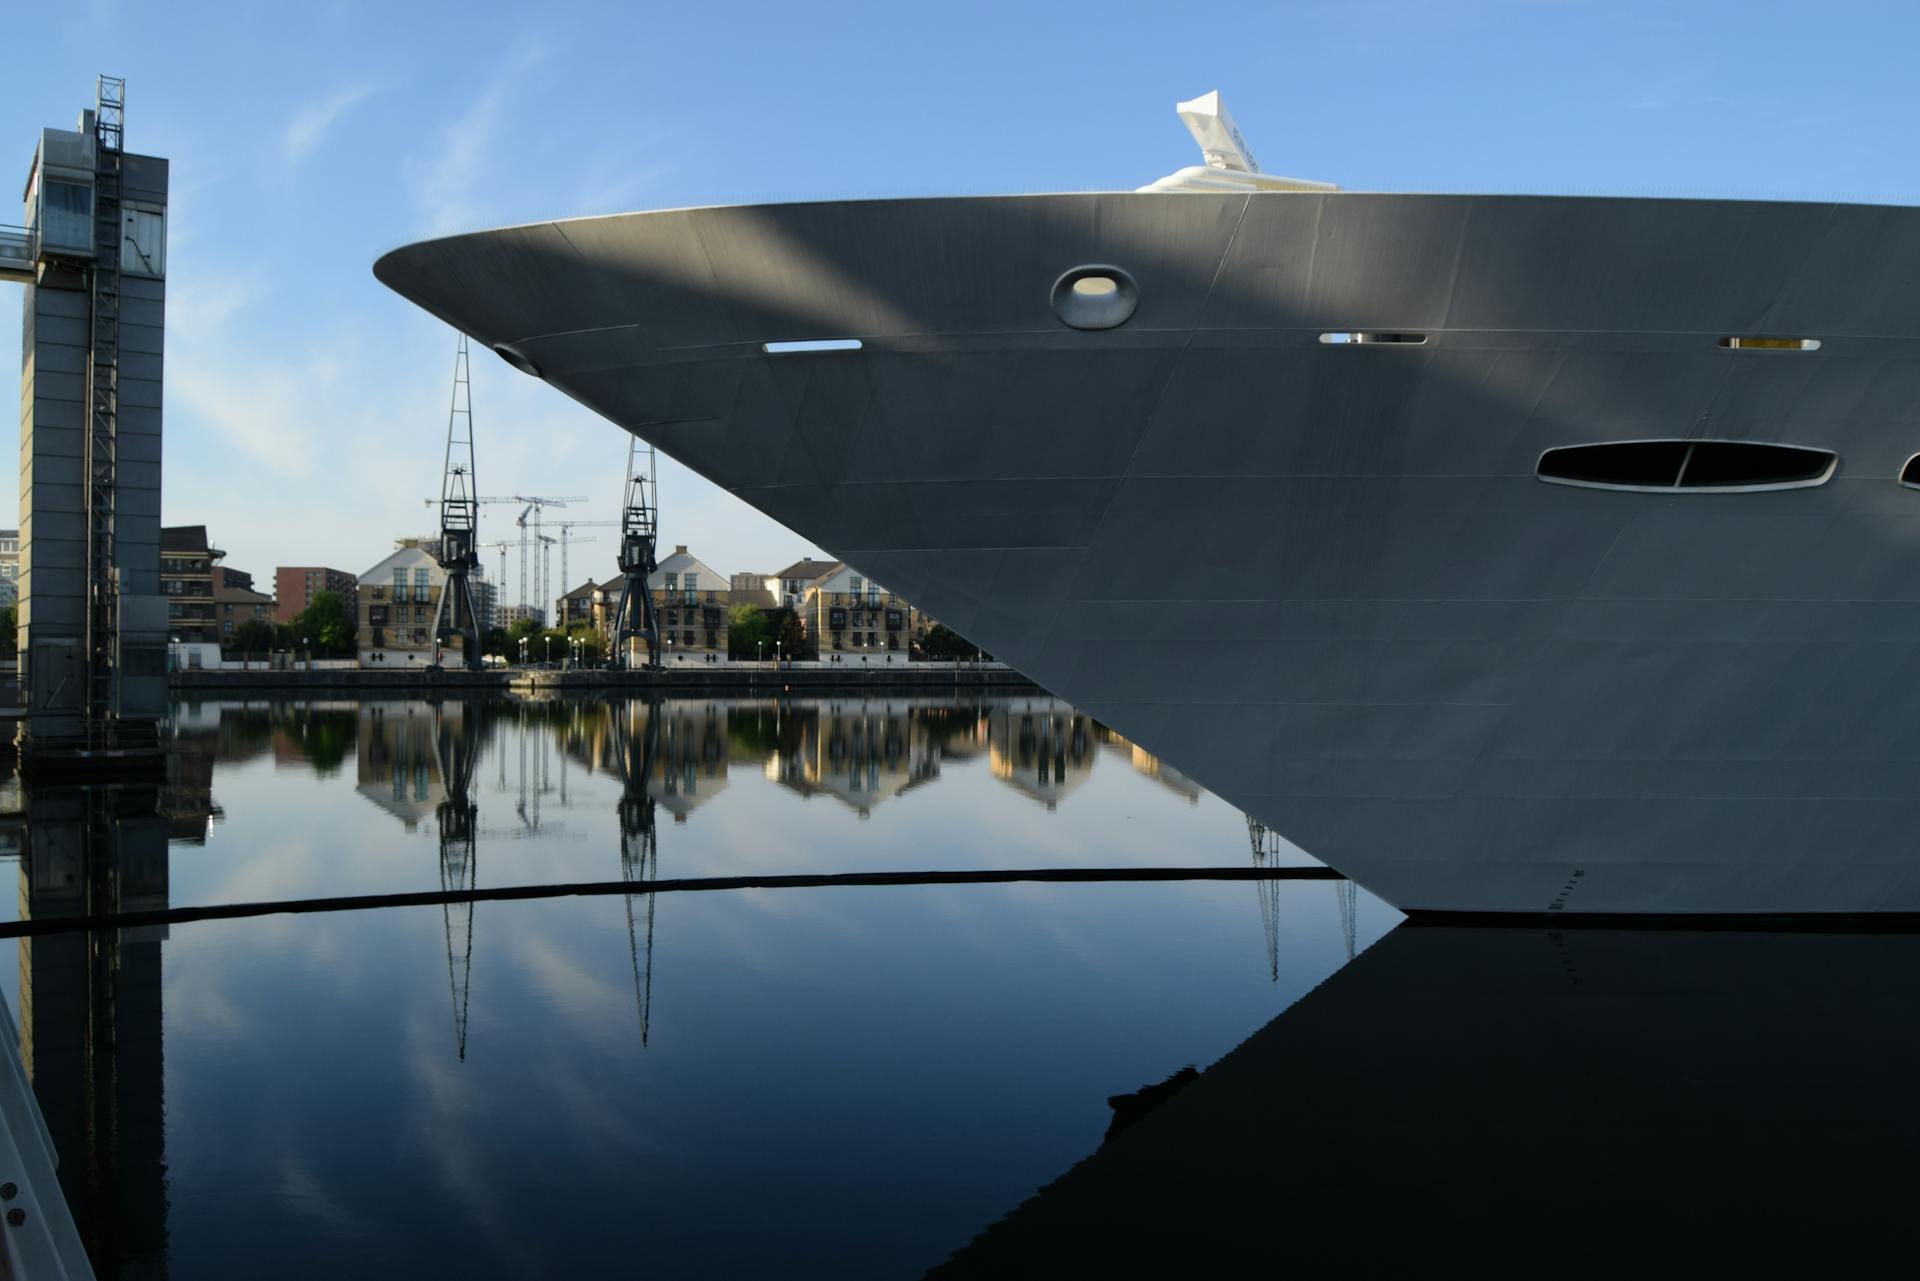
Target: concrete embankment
x: 691, y: 678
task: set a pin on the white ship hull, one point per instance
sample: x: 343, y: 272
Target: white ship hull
x: 1324, y: 578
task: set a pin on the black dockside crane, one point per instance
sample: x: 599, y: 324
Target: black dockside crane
x: 639, y: 523
x: 458, y: 551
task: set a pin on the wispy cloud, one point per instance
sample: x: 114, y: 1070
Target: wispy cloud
x: 448, y: 187
x: 311, y: 125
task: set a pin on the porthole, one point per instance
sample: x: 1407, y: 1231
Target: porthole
x: 1669, y: 466
x: 1095, y: 297
x: 516, y: 359
x: 1910, y: 474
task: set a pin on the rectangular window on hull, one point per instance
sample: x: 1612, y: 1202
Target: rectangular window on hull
x: 1688, y: 465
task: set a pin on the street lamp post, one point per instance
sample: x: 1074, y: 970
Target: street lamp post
x: 308, y: 642
x: 523, y: 651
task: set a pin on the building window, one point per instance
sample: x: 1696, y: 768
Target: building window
x: 400, y: 585
x: 673, y: 581
x: 687, y: 639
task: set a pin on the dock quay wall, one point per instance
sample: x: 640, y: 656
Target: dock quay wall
x: 743, y: 679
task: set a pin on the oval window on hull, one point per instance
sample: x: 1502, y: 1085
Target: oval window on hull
x: 1669, y: 466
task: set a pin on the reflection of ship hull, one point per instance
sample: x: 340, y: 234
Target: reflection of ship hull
x: 1323, y: 578
x: 1523, y: 1099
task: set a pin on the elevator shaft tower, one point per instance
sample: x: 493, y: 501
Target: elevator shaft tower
x: 92, y: 623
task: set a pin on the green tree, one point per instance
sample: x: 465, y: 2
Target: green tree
x: 10, y: 643
x: 255, y: 636
x: 593, y: 646
x: 943, y: 643
x: 792, y: 637
x: 494, y: 641
x: 749, y: 634
x: 325, y: 624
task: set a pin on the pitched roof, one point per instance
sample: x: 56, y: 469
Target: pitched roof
x: 807, y: 570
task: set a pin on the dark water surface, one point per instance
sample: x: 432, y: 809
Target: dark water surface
x: 835, y: 1082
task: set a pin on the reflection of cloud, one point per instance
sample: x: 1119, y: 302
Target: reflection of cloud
x: 311, y: 125
x: 308, y: 1195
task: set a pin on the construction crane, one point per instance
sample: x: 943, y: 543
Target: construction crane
x: 501, y: 547
x: 458, y: 552
x: 531, y: 506
x: 634, y: 617
x: 563, y: 526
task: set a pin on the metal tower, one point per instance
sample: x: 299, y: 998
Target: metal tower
x: 639, y: 525
x: 103, y: 415
x: 459, y: 551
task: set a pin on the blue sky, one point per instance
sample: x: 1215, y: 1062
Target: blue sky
x: 306, y: 405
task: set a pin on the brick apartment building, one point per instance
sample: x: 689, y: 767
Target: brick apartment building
x: 295, y: 586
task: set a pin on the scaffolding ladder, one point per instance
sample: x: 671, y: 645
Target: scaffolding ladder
x: 103, y: 414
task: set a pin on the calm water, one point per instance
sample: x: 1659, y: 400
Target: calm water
x: 850, y: 1082
x: 845, y: 1081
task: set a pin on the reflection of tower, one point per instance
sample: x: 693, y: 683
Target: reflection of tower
x: 639, y: 842
x: 90, y: 1014
x: 456, y: 747
x: 1265, y: 849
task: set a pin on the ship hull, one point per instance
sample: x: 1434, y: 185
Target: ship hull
x: 1325, y: 579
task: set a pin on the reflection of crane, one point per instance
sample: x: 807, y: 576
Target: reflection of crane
x: 639, y: 841
x: 1266, y: 853
x: 633, y: 618
x: 456, y: 746
x: 459, y: 524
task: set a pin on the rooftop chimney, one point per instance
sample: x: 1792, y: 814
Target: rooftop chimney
x: 680, y: 550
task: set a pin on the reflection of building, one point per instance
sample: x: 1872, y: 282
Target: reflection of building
x: 399, y: 769
x: 1041, y: 746
x: 1146, y: 763
x: 186, y: 799
x: 90, y: 1016
x: 860, y: 752
x: 689, y: 755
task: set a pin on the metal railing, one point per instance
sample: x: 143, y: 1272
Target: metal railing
x: 19, y: 248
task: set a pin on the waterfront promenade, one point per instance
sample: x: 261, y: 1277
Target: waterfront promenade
x: 734, y: 677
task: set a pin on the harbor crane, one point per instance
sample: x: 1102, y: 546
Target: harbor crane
x: 458, y: 552
x: 531, y: 506
x: 634, y: 617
